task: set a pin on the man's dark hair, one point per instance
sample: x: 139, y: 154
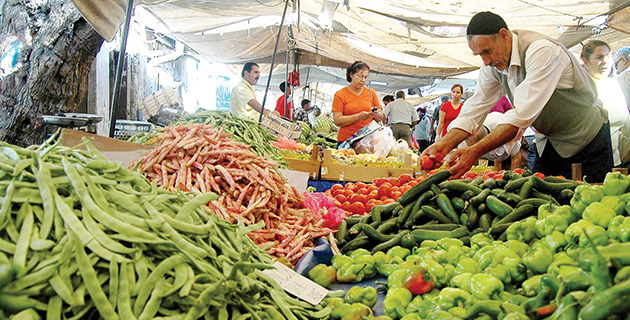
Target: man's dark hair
x: 400, y: 94
x: 283, y: 86
x: 354, y: 67
x: 444, y: 99
x: 388, y: 98
x: 305, y: 102
x: 248, y: 67
x: 485, y: 23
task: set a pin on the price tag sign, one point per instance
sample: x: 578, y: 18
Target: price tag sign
x: 296, y: 284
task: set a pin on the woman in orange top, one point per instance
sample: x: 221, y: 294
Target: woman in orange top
x: 352, y: 105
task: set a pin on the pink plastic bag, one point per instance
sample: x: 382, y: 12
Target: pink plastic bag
x: 323, y: 206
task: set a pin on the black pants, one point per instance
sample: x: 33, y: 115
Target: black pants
x: 423, y: 145
x: 596, y: 159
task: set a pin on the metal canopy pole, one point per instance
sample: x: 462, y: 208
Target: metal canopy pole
x: 273, y: 59
x: 119, y: 66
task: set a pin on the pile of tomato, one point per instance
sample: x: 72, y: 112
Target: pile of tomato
x: 360, y: 197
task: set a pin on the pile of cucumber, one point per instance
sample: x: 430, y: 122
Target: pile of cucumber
x: 440, y: 208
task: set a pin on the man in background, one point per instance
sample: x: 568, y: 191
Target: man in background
x: 312, y: 116
x: 243, y: 103
x: 280, y: 104
x: 401, y: 117
x: 622, y: 62
x: 302, y: 113
x: 421, y: 131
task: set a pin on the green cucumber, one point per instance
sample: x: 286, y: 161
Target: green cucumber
x: 497, y: 206
x: 420, y: 188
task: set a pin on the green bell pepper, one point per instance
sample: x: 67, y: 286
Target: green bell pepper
x: 454, y: 254
x: 553, y: 223
x: 381, y: 258
x: 615, y: 183
x: 516, y: 316
x: 538, y: 259
x: 414, y: 305
x: 396, y: 301
x: 554, y: 241
x: 598, y: 235
x: 619, y: 228
x: 436, y: 271
x: 351, y: 273
x: 485, y: 286
x: 573, y: 232
x: 341, y: 310
x: 531, y: 286
x: 517, y: 269
x: 458, y: 312
x: 467, y: 265
x: 561, y: 265
x: 615, y: 203
x: 387, y: 269
x: 585, y: 195
x: 364, y: 294
x: 359, y: 252
x: 399, y: 252
x: 480, y: 240
x: 447, y: 243
x: 453, y: 297
x: 622, y: 275
x: 323, y: 275
x: 340, y: 260
x: 382, y: 317
x: 438, y: 255
x: 412, y: 316
x: 500, y: 272
x: 517, y: 247
x: 461, y: 281
x: 524, y: 230
x: 599, y: 214
x: 427, y: 306
x: 546, y: 210
x: 428, y: 244
x: 370, y: 270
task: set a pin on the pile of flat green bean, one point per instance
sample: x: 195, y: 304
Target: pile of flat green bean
x: 94, y: 240
x: 241, y: 130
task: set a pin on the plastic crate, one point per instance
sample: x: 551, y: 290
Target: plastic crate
x: 124, y: 129
x: 282, y: 126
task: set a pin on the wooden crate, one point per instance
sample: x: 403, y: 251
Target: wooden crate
x: 311, y: 166
x: 345, y: 172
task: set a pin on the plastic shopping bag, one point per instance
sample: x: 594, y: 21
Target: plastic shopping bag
x: 363, y: 132
x: 321, y: 205
x: 379, y: 142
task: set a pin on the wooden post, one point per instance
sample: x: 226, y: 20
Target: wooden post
x: 576, y: 171
x: 623, y: 171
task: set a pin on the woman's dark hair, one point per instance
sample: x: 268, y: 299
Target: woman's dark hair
x: 590, y: 46
x: 457, y: 85
x: 354, y: 68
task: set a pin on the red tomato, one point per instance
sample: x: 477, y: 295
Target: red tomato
x: 438, y: 157
x: 341, y: 198
x: 372, y: 195
x: 357, y: 208
x: 346, y: 206
x: 388, y: 200
x: 336, y: 186
x: 412, y: 183
x: 560, y: 176
x: 358, y: 198
x: 378, y: 181
x: 384, y: 190
x: 337, y: 203
x: 470, y: 175
x: 360, y: 185
x: 394, y: 182
x: 404, y: 189
x: 372, y: 188
x: 404, y: 178
x: 348, y: 193
x: 540, y: 175
x: 350, y: 186
x: 427, y: 163
x: 378, y: 202
x: 337, y: 192
x: 518, y: 170
x: 395, y: 195
x: 363, y: 191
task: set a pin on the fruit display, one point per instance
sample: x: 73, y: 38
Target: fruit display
x: 349, y: 156
x: 567, y: 260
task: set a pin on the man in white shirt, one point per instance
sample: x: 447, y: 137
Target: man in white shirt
x: 549, y: 90
x: 401, y: 117
x: 622, y: 62
x: 511, y: 149
x: 243, y: 103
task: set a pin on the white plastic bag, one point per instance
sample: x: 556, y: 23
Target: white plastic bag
x: 379, y: 142
x: 399, y: 149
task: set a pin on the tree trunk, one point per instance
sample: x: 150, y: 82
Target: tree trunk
x: 56, y: 47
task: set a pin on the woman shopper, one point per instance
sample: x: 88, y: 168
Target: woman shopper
x: 598, y: 62
x: 355, y: 106
x: 450, y: 109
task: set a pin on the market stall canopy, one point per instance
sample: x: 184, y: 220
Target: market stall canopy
x: 416, y: 38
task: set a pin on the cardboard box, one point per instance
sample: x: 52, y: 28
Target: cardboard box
x: 345, y: 172
x: 112, y: 149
